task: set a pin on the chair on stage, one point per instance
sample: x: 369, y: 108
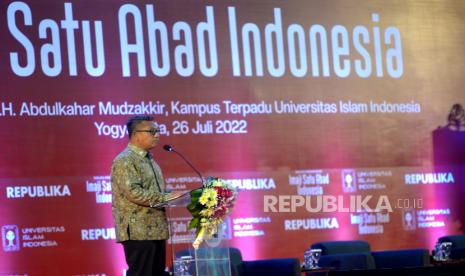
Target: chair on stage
x: 272, y: 267
x: 357, y: 254
x: 345, y: 255
x: 401, y: 258
x: 458, y: 245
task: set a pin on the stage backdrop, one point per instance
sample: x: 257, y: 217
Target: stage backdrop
x: 284, y: 99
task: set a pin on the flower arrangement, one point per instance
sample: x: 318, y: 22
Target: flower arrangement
x: 209, y: 207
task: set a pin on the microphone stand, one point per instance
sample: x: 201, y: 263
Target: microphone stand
x: 171, y: 149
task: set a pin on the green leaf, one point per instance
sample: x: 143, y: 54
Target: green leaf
x: 194, y: 222
x: 191, y: 207
x: 196, y: 194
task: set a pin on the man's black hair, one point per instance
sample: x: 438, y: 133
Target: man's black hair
x: 133, y: 122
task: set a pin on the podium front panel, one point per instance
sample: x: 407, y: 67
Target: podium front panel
x: 210, y: 259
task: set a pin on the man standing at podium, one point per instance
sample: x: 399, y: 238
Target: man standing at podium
x: 137, y: 186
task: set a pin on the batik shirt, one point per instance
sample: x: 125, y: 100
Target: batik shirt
x: 137, y: 185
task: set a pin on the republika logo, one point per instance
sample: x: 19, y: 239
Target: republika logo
x: 10, y: 238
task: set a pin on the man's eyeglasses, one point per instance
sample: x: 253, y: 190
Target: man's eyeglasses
x: 151, y: 131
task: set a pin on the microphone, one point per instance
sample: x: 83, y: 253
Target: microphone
x: 168, y: 148
x: 171, y: 149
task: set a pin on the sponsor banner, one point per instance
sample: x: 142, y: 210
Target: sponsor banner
x: 370, y: 223
x: 311, y: 224
x: 37, y: 191
x: 249, y: 226
x: 309, y: 182
x: 101, y: 187
x: 16, y: 238
x: 98, y: 234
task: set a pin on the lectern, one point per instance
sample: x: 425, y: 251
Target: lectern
x: 210, y: 259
